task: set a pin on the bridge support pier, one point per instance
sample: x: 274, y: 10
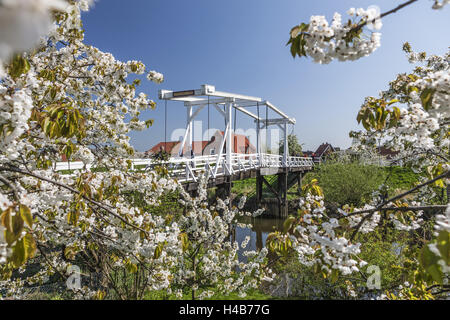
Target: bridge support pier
x: 278, y: 189
x: 299, y: 182
x: 259, y: 187
x: 282, y: 187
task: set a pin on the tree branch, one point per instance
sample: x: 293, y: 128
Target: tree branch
x: 384, y: 203
x: 98, y: 204
x: 11, y: 186
x: 399, y: 7
x: 414, y: 208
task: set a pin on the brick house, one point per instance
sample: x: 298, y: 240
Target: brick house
x: 173, y: 147
x: 241, y: 145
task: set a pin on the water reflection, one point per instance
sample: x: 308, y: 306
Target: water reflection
x: 261, y: 227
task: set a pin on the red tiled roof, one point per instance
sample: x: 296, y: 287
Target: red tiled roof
x: 171, y: 144
x: 162, y: 146
x: 238, y: 139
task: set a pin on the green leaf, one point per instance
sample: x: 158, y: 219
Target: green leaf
x: 30, y: 245
x: 295, y: 32
x: 393, y: 101
x: 288, y: 224
x: 19, y: 255
x: 334, y: 276
x: 184, y: 241
x: 443, y: 245
x: 429, y: 262
x: 24, y: 249
x: 19, y: 66
x: 25, y: 212
x: 158, y: 250
x: 294, y: 46
x: 435, y: 272
x: 131, y: 267
x: 73, y: 216
x: 70, y: 253
x: 427, y: 98
x: 149, y: 123
x: 13, y: 223
x: 7, y: 219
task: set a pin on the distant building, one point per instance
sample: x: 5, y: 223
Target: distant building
x: 324, y: 150
x: 241, y: 144
x: 388, y: 153
x: 163, y: 146
x: 310, y: 154
x: 173, y: 148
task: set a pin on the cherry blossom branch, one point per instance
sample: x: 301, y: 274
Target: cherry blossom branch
x: 399, y: 7
x: 402, y: 195
x: 384, y: 203
x: 11, y: 186
x: 414, y: 208
x: 98, y: 204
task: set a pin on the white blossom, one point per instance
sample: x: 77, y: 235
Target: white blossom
x: 24, y: 22
x: 325, y: 42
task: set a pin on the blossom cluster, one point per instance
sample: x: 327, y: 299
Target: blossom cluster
x: 15, y: 110
x: 440, y: 4
x: 326, y: 41
x: 211, y: 253
x: 24, y: 22
x: 420, y: 135
x: 318, y: 240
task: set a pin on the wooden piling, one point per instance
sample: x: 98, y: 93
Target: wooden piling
x: 283, y: 186
x: 299, y: 182
x: 259, y: 187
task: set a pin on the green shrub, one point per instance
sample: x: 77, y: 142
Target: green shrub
x: 401, y: 177
x: 347, y: 183
x: 388, y: 249
x: 244, y: 187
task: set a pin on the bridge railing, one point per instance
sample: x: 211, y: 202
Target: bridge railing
x: 300, y: 162
x: 188, y: 169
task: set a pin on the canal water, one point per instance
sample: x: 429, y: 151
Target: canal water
x: 261, y: 228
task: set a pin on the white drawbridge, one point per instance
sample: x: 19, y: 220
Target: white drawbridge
x: 226, y: 162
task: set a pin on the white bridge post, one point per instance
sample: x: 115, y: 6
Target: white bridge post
x: 286, y: 145
x: 189, y: 126
x: 229, y: 138
x: 258, y: 143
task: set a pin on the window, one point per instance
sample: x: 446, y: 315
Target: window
x: 213, y: 151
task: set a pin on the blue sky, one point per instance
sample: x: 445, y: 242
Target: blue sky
x: 239, y: 46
